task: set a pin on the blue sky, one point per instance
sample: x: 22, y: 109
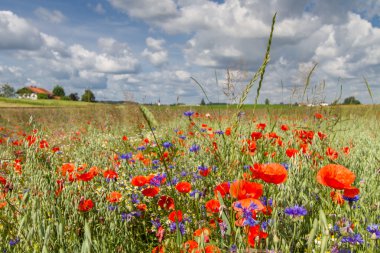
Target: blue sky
x: 147, y: 50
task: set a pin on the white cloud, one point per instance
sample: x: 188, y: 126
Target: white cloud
x: 17, y: 33
x: 53, y: 16
x: 146, y: 9
x: 155, y: 53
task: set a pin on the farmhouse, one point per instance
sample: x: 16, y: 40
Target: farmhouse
x: 33, y: 92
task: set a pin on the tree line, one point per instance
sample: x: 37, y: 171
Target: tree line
x: 7, y: 90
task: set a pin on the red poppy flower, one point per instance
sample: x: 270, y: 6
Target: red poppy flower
x: 212, y: 206
x: 158, y: 249
x: 3, y: 181
x: 114, y: 197
x: 242, y: 189
x: 44, y: 144
x: 150, y: 192
x: 190, y: 246
x: 85, y: 205
x: 246, y: 203
x: 166, y: 202
x: 261, y: 126
x: 67, y: 168
x: 223, y: 188
x: 335, y: 176
x: 228, y: 131
x: 254, y: 233
x: 291, y: 152
x: 125, y: 138
x: 346, y: 150
x: 322, y: 136
x: 351, y: 192
x: 318, y: 115
x: 204, y: 173
x: 284, y: 127
x: 88, y: 176
x: 273, y: 173
x: 139, y: 181
x: 256, y: 135
x: 110, y: 174
x: 331, y: 153
x: 175, y: 216
x: 203, y: 232
x: 141, y: 207
x: 212, y: 249
x: 183, y: 187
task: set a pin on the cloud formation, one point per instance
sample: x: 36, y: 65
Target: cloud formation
x: 175, y: 39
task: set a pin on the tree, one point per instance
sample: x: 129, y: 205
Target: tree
x: 88, y: 96
x: 267, y: 101
x: 351, y: 101
x: 7, y: 91
x: 203, y: 102
x: 74, y: 96
x: 58, y: 91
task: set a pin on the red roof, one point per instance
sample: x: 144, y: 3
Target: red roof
x: 38, y: 90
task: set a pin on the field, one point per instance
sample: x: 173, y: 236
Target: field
x: 120, y: 178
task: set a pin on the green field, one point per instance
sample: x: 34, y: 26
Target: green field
x: 60, y: 193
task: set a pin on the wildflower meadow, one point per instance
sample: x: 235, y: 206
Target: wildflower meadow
x: 190, y: 179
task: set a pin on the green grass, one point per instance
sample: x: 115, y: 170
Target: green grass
x: 15, y: 102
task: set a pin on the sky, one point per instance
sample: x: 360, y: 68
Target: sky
x: 150, y: 50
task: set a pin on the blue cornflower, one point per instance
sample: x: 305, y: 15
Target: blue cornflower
x: 183, y: 137
x: 296, y: 211
x: 188, y: 113
x: 354, y: 199
x: 157, y: 179
x: 174, y: 181
x: 286, y: 166
x: 126, y: 156
x: 220, y: 132
x: 194, y: 148
x: 156, y: 223
x: 126, y: 216
x: 173, y: 227
x: 192, y: 193
x: 374, y: 230
x: 202, y: 168
x: 233, y: 249
x: 155, y: 162
x: 246, y: 167
x: 134, y: 198
x: 266, y: 201
x: 183, y: 173
x: 112, y: 208
x: 167, y: 144
x: 141, y: 148
x: 196, y: 176
x: 247, y: 214
x: 353, y: 239
x: 14, y: 241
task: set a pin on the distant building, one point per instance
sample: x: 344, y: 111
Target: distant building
x: 32, y: 92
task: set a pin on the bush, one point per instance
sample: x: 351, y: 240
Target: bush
x: 58, y: 91
x: 351, y: 101
x: 66, y: 98
x: 88, y: 96
x: 42, y: 96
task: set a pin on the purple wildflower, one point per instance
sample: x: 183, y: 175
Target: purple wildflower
x: 353, y: 239
x: 194, y: 148
x: 188, y: 113
x: 295, y: 211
